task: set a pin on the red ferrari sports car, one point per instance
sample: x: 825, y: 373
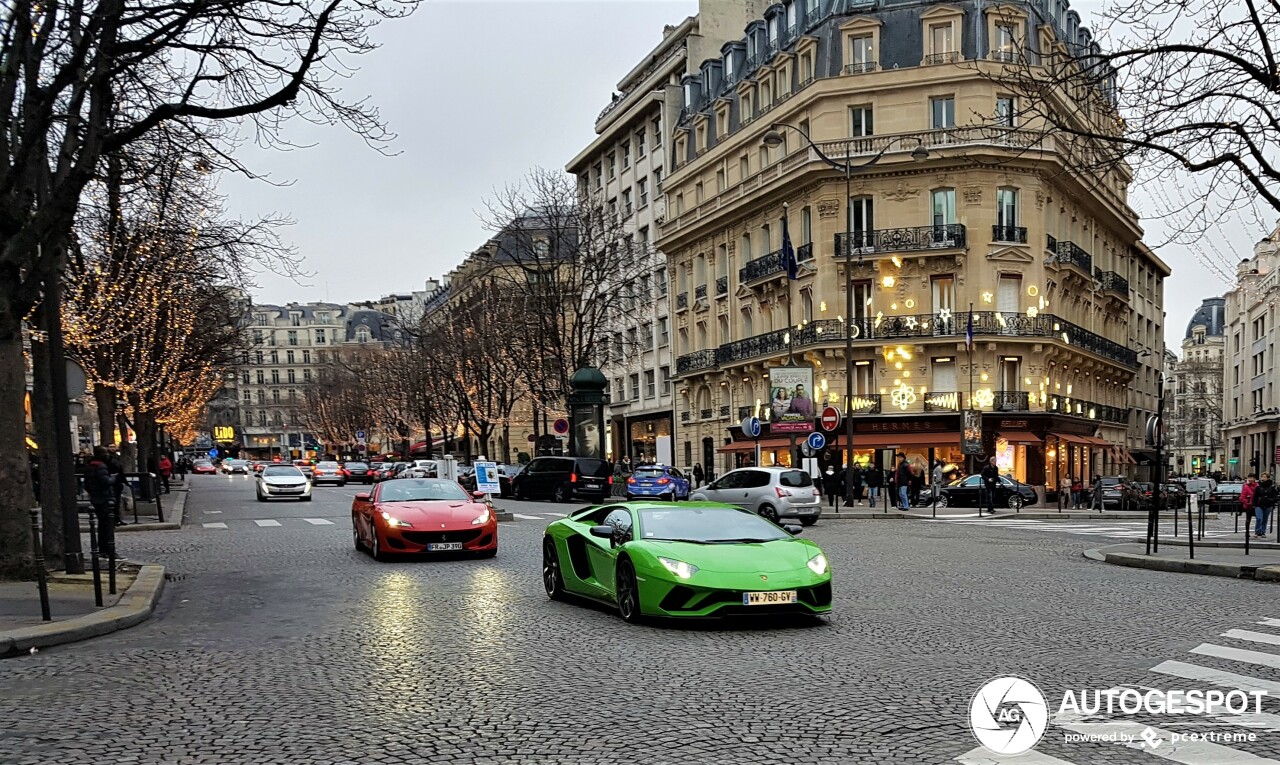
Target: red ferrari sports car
x: 423, y: 515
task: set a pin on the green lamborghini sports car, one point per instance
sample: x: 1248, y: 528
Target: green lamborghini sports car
x: 694, y: 559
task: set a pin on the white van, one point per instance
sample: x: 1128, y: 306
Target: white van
x: 1200, y: 487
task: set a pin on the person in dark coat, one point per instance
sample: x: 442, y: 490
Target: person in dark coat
x: 100, y: 485
x: 902, y: 481
x: 1264, y: 501
x: 116, y: 468
x: 698, y: 475
x: 990, y: 480
x: 833, y: 486
x: 917, y: 484
x: 855, y: 483
x: 874, y: 479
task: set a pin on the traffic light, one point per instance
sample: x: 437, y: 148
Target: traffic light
x: 1195, y: 462
x: 1211, y: 460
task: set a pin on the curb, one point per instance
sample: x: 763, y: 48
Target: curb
x: 174, y: 523
x: 1173, y: 566
x: 1034, y: 516
x: 135, y: 606
x: 503, y: 515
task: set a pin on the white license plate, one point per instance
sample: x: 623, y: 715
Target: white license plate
x: 768, y: 598
x: 442, y: 546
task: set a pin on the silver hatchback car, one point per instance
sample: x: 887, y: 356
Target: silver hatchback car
x: 772, y: 492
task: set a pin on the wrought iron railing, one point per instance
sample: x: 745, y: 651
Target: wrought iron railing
x: 941, y: 58
x: 724, y: 411
x: 704, y: 414
x: 700, y: 292
x: 767, y: 265
x: 722, y: 286
x: 698, y: 360
x: 1113, y: 282
x: 1016, y: 234
x: 1077, y: 407
x: 913, y: 238
x: 1071, y: 254
x: 750, y: 347
x: 804, y: 252
x: 1011, y: 401
x: 869, y: 403
x: 861, y: 67
x: 744, y: 412
x: 682, y: 300
x: 684, y: 416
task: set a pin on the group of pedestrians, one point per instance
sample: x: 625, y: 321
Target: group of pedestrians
x: 1258, y: 498
x: 904, y: 481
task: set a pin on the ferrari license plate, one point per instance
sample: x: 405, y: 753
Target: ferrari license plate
x: 443, y: 546
x: 768, y: 598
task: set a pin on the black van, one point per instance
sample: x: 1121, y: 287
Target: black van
x: 564, y: 479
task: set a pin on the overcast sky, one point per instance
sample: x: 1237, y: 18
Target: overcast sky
x: 479, y: 92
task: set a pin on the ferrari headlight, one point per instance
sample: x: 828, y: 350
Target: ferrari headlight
x: 482, y: 518
x: 679, y: 567
x: 818, y: 564
x: 396, y: 522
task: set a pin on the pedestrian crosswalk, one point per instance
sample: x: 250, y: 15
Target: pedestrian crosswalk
x: 268, y: 523
x: 1117, y: 530
x: 1243, y: 738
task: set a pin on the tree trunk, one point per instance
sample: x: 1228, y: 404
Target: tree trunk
x: 16, y: 558
x: 105, y: 398
x: 46, y: 426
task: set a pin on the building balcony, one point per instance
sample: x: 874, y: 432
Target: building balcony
x: 704, y: 414
x: 861, y: 67
x: 933, y: 59
x: 685, y: 416
x: 1076, y: 407
x: 1071, y: 254
x: 1015, y: 234
x: 700, y: 292
x: 761, y: 268
x: 1112, y: 282
x: 942, y: 401
x: 1010, y: 401
x: 907, y: 327
x: 804, y: 252
x: 910, y: 239
x: 722, y: 286
x: 724, y: 411
x: 682, y: 301
x: 698, y: 360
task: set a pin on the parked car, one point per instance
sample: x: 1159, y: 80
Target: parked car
x: 361, y: 472
x: 1146, y: 490
x: 772, y: 492
x: 283, y: 482
x: 1201, y: 487
x: 1121, y: 493
x: 432, y: 467
x: 563, y: 479
x: 328, y: 472
x: 505, y: 474
x: 203, y: 467
x: 968, y: 492
x: 1225, y: 497
x: 661, y: 481
x: 305, y: 467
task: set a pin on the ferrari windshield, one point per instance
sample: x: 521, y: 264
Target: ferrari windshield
x: 708, y: 524
x: 421, y: 490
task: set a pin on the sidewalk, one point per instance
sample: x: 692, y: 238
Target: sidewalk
x: 1030, y: 512
x: 1213, y: 558
x: 71, y: 605
x: 174, y: 504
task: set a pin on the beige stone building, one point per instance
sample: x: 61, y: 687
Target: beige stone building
x: 991, y: 222
x: 1251, y: 384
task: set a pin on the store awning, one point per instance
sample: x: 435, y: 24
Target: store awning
x: 1095, y: 441
x: 1020, y: 437
x: 1067, y: 438
x: 765, y: 443
x: 889, y: 440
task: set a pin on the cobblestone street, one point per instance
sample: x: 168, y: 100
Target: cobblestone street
x: 278, y: 642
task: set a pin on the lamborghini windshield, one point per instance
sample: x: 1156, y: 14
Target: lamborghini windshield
x: 709, y: 525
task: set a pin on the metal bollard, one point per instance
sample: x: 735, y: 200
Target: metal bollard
x: 159, y: 507
x: 42, y: 581
x: 1191, y: 539
x: 93, y: 552
x: 1246, y: 535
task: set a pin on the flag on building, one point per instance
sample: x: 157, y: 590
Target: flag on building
x: 968, y: 333
x: 789, y: 261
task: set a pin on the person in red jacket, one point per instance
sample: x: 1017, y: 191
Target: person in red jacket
x: 166, y: 468
x: 1246, y: 495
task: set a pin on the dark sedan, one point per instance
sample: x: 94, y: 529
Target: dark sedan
x: 358, y: 472
x: 968, y: 492
x: 1225, y: 498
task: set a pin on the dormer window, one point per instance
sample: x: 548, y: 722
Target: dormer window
x: 688, y: 94
x: 728, y: 68
x: 792, y: 10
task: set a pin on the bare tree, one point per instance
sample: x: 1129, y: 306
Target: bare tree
x: 568, y: 265
x: 1173, y: 89
x: 83, y: 80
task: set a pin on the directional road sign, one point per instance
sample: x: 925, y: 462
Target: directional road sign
x: 751, y: 427
x: 816, y: 441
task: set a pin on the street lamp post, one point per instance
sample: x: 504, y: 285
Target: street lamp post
x: 774, y: 138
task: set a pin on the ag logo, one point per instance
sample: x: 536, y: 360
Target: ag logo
x: 1008, y: 715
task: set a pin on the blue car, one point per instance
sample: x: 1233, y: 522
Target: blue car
x: 661, y: 481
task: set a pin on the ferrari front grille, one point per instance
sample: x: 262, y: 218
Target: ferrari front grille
x: 431, y: 537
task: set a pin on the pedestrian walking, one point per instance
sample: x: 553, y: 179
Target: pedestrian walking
x: 1095, y: 492
x: 833, y: 485
x: 1264, y: 501
x: 874, y: 480
x: 116, y: 467
x: 165, y: 467
x: 917, y: 483
x: 698, y: 475
x: 1077, y: 492
x: 936, y: 478
x: 100, y: 485
x: 902, y: 480
x: 990, y: 480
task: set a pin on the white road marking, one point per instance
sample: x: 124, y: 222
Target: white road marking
x: 318, y: 521
x: 557, y: 515
x: 1270, y: 622
x: 981, y: 756
x: 527, y: 517
x: 1238, y: 654
x: 268, y: 522
x: 1255, y: 637
x: 215, y: 525
x: 213, y: 512
x: 1216, y: 676
x: 1185, y: 752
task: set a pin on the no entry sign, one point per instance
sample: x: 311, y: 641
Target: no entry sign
x: 830, y: 418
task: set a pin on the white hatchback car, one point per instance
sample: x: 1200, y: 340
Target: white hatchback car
x: 773, y: 492
x: 283, y: 482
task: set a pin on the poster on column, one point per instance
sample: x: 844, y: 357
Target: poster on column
x: 791, y: 407
x: 588, y: 439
